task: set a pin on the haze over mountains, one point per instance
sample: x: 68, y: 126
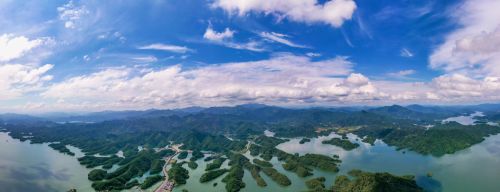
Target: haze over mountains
x: 414, y: 111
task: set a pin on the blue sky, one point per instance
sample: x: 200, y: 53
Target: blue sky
x: 100, y: 55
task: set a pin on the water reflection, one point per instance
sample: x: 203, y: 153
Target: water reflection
x: 37, y: 167
x: 456, y: 172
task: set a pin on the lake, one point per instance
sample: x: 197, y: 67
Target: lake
x: 37, y: 167
x: 450, y: 173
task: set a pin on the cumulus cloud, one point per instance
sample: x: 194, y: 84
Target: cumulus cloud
x: 464, y: 88
x: 283, y: 79
x: 280, y: 38
x: 16, y: 79
x: 472, y: 49
x: 166, y: 47
x: 213, y: 35
x: 333, y: 12
x: 225, y: 39
x: 13, y: 47
x: 70, y: 14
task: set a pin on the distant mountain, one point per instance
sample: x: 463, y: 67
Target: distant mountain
x: 456, y: 110
x: 117, y: 115
x: 261, y: 112
x: 414, y: 112
x: 12, y: 118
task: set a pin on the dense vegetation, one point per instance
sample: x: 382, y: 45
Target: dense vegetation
x: 375, y: 182
x: 269, y: 141
x: 182, y: 155
x: 205, y: 130
x: 262, y: 163
x: 150, y: 181
x: 91, y: 161
x: 255, y: 172
x: 192, y: 165
x: 131, y: 167
x: 157, y: 166
x: 97, y: 174
x: 343, y: 143
x: 276, y: 176
x: 316, y: 184
x: 369, y: 139
x: 61, y: 148
x: 211, y: 175
x: 195, y: 155
x: 439, y: 140
x: 178, y: 174
x: 215, y: 164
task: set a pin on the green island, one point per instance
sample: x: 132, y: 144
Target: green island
x: 366, y: 181
x: 255, y: 172
x: 369, y: 139
x: 316, y: 184
x: 182, y: 155
x: 277, y: 176
x: 192, y: 165
x: 212, y: 174
x: 234, y: 178
x: 215, y: 164
x: 262, y: 163
x: 195, y: 155
x: 304, y: 140
x: 61, y: 148
x: 343, y: 143
x: 178, y: 174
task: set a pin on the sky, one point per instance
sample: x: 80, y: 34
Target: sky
x: 123, y: 54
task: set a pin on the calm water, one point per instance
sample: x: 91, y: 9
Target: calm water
x: 465, y: 119
x: 36, y: 167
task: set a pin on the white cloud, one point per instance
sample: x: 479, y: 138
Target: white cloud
x: 213, y: 35
x: 472, y: 49
x: 70, y: 14
x: 406, y: 53
x: 250, y: 46
x: 333, y: 12
x: 145, y: 59
x: 402, y: 74
x: 312, y: 54
x: 13, y: 47
x: 464, y: 88
x: 280, y: 38
x: 16, y: 79
x: 166, y: 47
x: 86, y: 58
x: 283, y: 79
x: 225, y: 39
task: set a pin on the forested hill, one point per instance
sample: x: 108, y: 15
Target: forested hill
x: 396, y: 125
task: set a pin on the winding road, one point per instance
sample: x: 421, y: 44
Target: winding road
x: 163, y: 187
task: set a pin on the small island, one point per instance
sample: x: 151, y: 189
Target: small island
x: 304, y: 140
x: 343, y: 143
x: 373, y: 182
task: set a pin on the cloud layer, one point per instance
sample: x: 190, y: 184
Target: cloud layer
x: 284, y: 79
x: 473, y: 48
x: 333, y: 12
